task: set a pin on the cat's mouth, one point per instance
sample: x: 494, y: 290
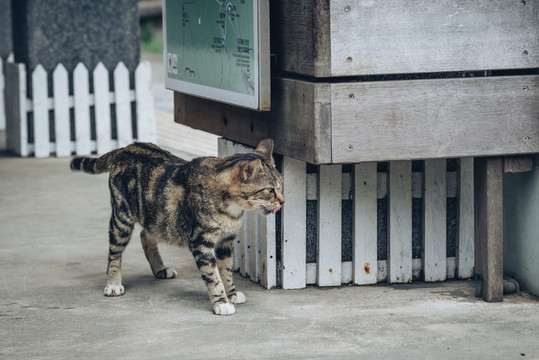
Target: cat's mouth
x: 268, y: 211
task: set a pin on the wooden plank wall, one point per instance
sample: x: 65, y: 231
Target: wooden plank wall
x: 364, y: 186
x: 326, y: 38
x: 421, y: 119
x: 391, y: 36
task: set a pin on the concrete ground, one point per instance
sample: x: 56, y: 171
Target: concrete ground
x: 53, y: 231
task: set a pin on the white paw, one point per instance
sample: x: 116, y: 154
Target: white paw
x: 166, y: 273
x: 171, y: 273
x: 239, y: 298
x: 114, y: 290
x: 224, y: 309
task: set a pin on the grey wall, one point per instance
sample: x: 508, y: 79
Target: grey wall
x: 521, y: 227
x: 6, y: 41
x: 66, y: 31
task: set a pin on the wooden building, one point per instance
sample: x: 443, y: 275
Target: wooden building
x: 387, y: 86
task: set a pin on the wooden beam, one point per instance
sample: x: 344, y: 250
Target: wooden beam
x: 425, y: 119
x: 488, y: 195
x: 299, y: 122
x: 366, y: 37
x: 518, y: 163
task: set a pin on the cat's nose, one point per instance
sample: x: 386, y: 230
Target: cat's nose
x: 280, y: 199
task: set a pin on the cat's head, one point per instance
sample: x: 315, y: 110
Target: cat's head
x: 260, y: 185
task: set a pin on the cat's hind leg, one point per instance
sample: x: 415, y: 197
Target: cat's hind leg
x: 225, y: 263
x: 120, y: 229
x: 149, y: 244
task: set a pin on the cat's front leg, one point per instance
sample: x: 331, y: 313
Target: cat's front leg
x: 204, y: 255
x: 225, y: 263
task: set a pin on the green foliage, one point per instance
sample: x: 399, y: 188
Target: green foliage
x: 151, y: 39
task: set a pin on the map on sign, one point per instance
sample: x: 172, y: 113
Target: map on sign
x: 211, y: 49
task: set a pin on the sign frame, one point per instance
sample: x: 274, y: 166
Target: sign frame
x: 260, y: 73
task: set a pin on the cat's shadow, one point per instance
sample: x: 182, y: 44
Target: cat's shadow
x: 167, y: 290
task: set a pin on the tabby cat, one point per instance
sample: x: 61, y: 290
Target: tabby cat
x: 199, y: 204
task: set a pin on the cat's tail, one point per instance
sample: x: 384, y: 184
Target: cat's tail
x: 93, y: 165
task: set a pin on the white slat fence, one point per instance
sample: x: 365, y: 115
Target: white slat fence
x: 365, y: 187
x: 19, y: 109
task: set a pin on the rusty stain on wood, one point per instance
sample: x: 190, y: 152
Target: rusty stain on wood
x: 367, y: 268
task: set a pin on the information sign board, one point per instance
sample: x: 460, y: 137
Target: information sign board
x: 218, y: 49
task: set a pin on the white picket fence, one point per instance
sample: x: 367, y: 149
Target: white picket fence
x: 255, y: 251
x: 74, y: 110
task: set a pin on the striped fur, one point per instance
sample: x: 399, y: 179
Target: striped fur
x: 198, y: 204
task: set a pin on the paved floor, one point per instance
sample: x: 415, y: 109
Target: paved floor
x: 53, y: 231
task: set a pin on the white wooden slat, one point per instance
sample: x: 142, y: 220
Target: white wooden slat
x: 257, y: 251
x: 102, y: 109
x: 2, y: 97
x: 329, y: 225
x: 124, y: 129
x: 310, y: 274
x: 244, y: 235
x: 40, y: 112
x: 268, y: 260
x: 230, y: 149
x: 400, y: 222
x: 221, y: 148
x: 62, y: 126
x: 81, y: 90
x: 294, y: 225
x: 365, y: 224
x: 146, y: 123
x: 465, y: 242
x: 16, y: 121
x: 252, y: 246
x: 245, y: 243
x: 434, y: 220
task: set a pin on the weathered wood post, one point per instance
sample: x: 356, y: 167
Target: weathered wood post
x: 489, y: 226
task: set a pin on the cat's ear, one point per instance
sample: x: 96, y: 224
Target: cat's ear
x: 265, y: 148
x: 248, y: 169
